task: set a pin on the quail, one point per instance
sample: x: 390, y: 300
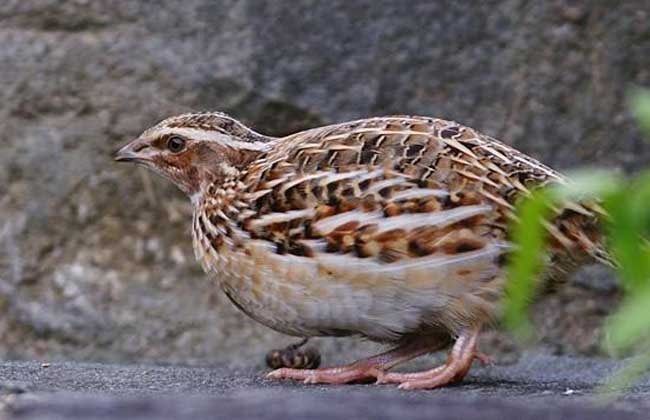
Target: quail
x: 395, y: 229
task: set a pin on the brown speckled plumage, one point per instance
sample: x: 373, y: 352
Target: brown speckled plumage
x: 391, y: 228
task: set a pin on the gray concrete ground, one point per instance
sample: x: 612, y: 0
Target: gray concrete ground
x: 538, y: 387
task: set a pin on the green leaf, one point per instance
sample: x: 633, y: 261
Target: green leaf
x: 529, y: 239
x: 526, y: 259
x: 630, y: 325
x: 629, y: 222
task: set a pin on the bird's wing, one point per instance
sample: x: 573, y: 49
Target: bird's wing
x: 380, y: 194
x: 394, y: 189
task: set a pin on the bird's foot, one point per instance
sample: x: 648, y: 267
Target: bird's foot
x: 294, y: 356
x: 458, y: 364
x: 356, y: 372
x: 365, y: 370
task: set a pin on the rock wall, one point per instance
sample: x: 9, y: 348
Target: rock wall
x: 95, y: 258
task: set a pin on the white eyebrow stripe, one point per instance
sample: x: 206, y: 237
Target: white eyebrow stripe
x: 214, y: 136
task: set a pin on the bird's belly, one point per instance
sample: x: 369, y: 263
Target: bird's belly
x: 299, y: 296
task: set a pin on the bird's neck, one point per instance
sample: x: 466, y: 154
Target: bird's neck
x: 215, y: 230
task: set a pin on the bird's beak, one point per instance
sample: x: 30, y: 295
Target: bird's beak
x: 135, y: 151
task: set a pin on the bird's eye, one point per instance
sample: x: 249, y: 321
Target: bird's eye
x: 176, y: 144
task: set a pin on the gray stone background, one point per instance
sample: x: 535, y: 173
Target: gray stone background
x: 95, y: 258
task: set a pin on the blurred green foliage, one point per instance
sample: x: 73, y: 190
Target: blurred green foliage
x: 627, y: 203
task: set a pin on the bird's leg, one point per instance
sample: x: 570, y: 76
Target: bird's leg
x: 363, y: 370
x: 458, y: 364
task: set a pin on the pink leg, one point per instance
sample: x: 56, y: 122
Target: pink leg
x: 364, y: 370
x: 458, y: 364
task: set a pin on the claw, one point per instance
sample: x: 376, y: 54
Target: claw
x: 404, y: 386
x: 484, y: 359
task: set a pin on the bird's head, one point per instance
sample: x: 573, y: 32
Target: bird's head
x: 192, y: 149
